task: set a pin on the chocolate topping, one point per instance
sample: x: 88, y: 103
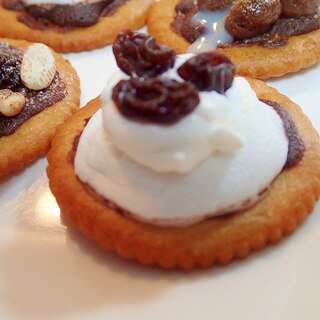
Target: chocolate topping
x: 295, y: 143
x: 10, y: 62
x: 188, y: 28
x: 251, y: 22
x: 78, y: 15
x: 36, y: 101
x: 64, y: 16
x: 280, y: 32
x: 298, y: 8
x: 15, y: 5
x: 183, y: 22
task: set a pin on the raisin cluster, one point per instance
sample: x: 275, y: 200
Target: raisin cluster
x: 147, y: 97
x: 137, y: 54
x: 209, y: 71
x: 155, y: 100
x: 9, y: 73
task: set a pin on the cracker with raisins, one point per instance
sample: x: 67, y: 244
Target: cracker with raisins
x: 218, y: 240
x: 130, y: 14
x: 255, y: 61
x: 32, y: 138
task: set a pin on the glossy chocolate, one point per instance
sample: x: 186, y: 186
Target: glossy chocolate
x: 36, y: 101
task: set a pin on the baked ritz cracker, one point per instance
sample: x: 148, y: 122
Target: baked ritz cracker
x: 253, y: 61
x: 32, y: 139
x: 218, y: 240
x: 132, y: 14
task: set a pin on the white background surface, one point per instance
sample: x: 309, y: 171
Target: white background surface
x: 49, y: 271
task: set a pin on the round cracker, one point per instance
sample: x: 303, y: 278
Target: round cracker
x: 254, y: 61
x: 214, y: 241
x: 32, y: 139
x: 130, y: 15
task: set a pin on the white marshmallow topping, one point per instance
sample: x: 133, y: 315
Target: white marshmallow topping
x: 215, y: 160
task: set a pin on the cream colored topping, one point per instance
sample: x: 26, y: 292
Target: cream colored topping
x: 216, y: 178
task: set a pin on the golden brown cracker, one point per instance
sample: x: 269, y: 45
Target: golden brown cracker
x: 291, y: 198
x: 254, y: 61
x: 33, y: 137
x: 130, y: 15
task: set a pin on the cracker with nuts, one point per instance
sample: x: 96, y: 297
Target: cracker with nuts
x: 39, y: 89
x: 252, y: 58
x: 63, y: 37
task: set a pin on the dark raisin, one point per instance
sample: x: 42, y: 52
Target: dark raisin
x: 9, y: 73
x: 209, y: 71
x: 155, y: 100
x: 137, y: 54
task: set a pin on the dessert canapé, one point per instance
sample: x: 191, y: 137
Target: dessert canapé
x: 184, y: 165
x: 263, y: 38
x: 38, y: 90
x: 71, y: 25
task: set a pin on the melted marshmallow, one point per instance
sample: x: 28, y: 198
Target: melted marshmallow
x: 219, y: 183
x: 181, y: 147
x: 215, y: 30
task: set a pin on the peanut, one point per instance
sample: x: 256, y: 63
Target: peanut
x: 38, y: 67
x: 11, y: 103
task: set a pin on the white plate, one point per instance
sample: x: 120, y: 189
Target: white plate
x: 49, y: 271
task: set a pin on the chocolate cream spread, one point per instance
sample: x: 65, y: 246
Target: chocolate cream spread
x: 295, y: 144
x: 284, y: 28
x: 36, y: 101
x: 62, y: 17
x: 287, y: 25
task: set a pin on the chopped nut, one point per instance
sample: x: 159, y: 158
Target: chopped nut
x: 38, y: 67
x: 11, y: 103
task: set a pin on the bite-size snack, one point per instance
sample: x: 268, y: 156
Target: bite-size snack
x: 184, y: 166
x: 39, y: 89
x: 71, y: 25
x: 263, y: 38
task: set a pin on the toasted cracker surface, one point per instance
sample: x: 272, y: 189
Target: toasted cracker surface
x: 254, y: 61
x: 130, y: 15
x: 291, y: 198
x: 32, y: 139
